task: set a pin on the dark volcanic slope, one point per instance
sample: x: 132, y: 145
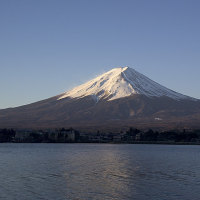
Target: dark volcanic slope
x: 136, y: 110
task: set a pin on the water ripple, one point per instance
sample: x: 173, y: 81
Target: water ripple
x: 96, y: 172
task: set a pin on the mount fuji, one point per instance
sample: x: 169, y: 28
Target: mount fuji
x: 121, y: 82
x: 119, y: 97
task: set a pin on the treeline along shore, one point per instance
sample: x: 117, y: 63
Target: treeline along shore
x: 132, y: 135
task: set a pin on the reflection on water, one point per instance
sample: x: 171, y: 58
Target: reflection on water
x: 99, y: 171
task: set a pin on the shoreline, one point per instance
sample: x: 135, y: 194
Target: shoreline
x: 138, y: 142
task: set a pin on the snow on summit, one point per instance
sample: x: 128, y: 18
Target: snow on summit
x: 118, y: 83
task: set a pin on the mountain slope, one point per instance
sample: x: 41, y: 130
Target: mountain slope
x: 120, y: 97
x: 119, y: 83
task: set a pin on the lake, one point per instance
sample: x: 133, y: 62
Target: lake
x: 99, y: 172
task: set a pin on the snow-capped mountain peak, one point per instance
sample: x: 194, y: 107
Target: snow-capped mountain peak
x: 118, y: 83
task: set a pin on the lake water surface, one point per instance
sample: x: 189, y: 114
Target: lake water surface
x: 99, y: 172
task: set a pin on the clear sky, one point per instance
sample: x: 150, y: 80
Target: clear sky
x: 50, y: 46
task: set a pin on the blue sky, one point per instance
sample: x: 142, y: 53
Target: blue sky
x: 50, y: 46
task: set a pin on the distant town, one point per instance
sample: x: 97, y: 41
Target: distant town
x: 132, y: 135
